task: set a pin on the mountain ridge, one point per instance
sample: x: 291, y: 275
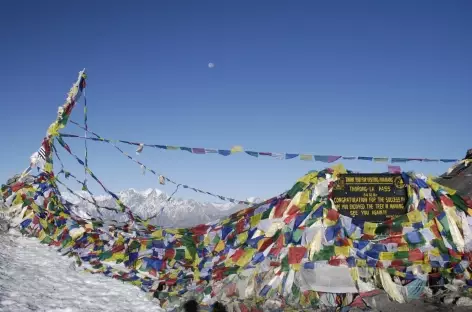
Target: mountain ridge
x: 174, y: 212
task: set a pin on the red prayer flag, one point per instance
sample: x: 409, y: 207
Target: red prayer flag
x: 240, y: 226
x: 243, y: 308
x: 429, y: 207
x: 333, y: 215
x: 17, y: 186
x: 237, y: 254
x: 293, y: 210
x: 280, y: 208
x: 278, y: 246
x: 267, y: 242
x: 415, y: 255
x: 169, y: 253
x: 290, y: 218
x: 295, y: 254
x: 446, y: 201
x: 200, y: 229
x: 394, y: 169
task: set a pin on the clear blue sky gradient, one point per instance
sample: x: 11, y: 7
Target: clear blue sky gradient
x: 361, y: 78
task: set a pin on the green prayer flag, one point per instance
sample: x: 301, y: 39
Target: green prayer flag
x: 266, y: 214
x: 179, y: 254
x: 324, y: 254
x: 299, y: 186
x: 134, y: 245
x: 46, y: 240
x: 297, y: 235
x: 397, y: 227
x: 400, y: 255
x: 284, y: 265
x: 105, y: 255
x: 381, y: 229
x: 188, y: 242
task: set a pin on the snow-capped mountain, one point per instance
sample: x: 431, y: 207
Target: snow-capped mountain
x: 174, y: 213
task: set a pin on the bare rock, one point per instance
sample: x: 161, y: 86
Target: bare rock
x: 377, y: 301
x: 4, y: 226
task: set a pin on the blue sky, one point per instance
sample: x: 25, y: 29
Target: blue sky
x: 361, y: 78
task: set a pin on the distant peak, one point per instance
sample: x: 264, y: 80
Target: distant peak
x: 254, y: 200
x: 151, y: 191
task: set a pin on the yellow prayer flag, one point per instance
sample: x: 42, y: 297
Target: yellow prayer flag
x: 18, y: 200
x: 400, y: 274
x: 304, y: 199
x: 116, y: 256
x: 48, y: 167
x: 407, y: 224
x: 197, y: 261
x: 403, y: 248
x: 328, y: 223
x: 361, y: 262
x: 306, y: 157
x: 157, y: 234
x: 338, y: 169
x: 242, y: 238
x: 296, y: 266
x: 341, y: 251
x: 369, y: 228
x: 42, y: 235
x: 415, y: 216
x: 255, y: 219
x: 245, y: 258
x: 386, y: 256
x: 206, y: 240
x: 220, y: 246
x: 426, y: 268
x: 188, y: 256
x: 53, y: 129
x: 354, y: 271
x: 43, y: 223
x: 237, y: 149
x: 309, y: 178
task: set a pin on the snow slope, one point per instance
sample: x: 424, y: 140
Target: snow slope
x: 34, y: 277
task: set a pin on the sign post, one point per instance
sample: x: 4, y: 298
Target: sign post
x: 370, y: 197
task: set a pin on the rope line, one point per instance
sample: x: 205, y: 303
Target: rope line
x: 146, y: 168
x: 81, y: 162
x: 86, y: 150
x: 225, y: 152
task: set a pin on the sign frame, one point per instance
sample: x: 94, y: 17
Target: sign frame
x: 373, y: 197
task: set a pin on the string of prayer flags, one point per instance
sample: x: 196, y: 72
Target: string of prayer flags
x: 239, y: 149
x: 145, y: 169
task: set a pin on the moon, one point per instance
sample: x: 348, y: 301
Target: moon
x: 211, y: 65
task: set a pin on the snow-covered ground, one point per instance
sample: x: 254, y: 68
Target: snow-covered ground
x: 34, y: 277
